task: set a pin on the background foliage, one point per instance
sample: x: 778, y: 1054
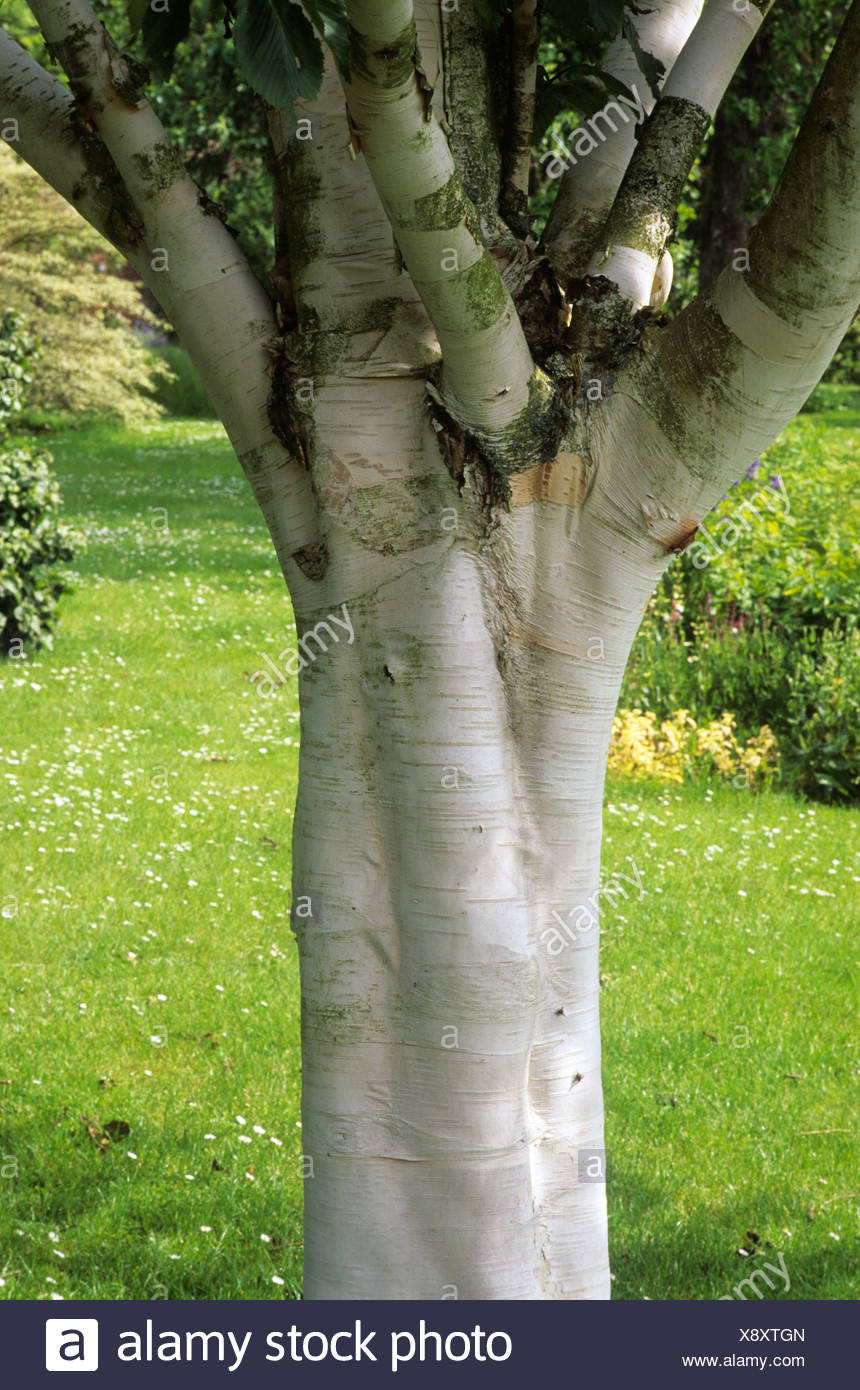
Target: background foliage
x: 31, y: 539
x: 60, y: 274
x: 769, y: 628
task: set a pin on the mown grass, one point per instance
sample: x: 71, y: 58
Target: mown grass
x: 146, y: 829
x: 149, y: 975
x: 728, y: 1053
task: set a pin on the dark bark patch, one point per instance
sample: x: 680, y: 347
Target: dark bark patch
x: 645, y: 207
x: 281, y: 405
x: 312, y: 559
x: 389, y: 518
x: 683, y: 537
x: 85, y: 114
x: 128, y: 78
x: 159, y: 167
x: 386, y: 66
x: 543, y: 311
x: 459, y: 450
x: 440, y: 211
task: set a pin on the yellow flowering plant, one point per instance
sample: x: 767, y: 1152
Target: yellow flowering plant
x: 677, y: 747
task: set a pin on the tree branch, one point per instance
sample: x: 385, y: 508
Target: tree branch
x: 642, y: 218
x: 47, y: 132
x: 472, y: 57
x: 588, y: 187
x: 525, y: 39
x: 489, y: 383
x: 196, y: 270
x: 721, y: 381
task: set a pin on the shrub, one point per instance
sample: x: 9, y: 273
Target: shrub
x: 18, y: 354
x: 823, y: 716
x: 678, y: 747
x: 31, y: 540
x: 729, y: 664
x: 775, y: 601
x: 183, y: 393
x: 788, y: 553
x: 805, y: 687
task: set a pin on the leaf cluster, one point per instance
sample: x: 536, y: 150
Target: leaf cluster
x: 32, y: 541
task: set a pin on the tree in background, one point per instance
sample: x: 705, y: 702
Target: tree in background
x: 209, y: 111
x: 61, y: 274
x: 755, y: 126
x: 476, y: 458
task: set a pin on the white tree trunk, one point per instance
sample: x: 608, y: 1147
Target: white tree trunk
x: 451, y: 1054
x: 451, y: 771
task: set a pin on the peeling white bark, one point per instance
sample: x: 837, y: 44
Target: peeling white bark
x: 444, y: 1046
x: 640, y: 221
x: 587, y: 189
x: 708, y: 60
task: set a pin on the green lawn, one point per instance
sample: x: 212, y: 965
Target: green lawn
x: 149, y: 975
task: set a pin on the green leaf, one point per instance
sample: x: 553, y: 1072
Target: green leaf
x: 278, y: 52
x: 578, y: 29
x: 492, y: 12
x: 329, y: 19
x: 651, y: 67
x: 606, y: 15
x: 582, y: 89
x: 163, y: 31
x: 136, y: 12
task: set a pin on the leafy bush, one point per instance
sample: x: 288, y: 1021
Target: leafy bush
x: 18, y: 353
x: 823, y: 716
x: 725, y: 665
x: 762, y: 625
x: 678, y: 747
x: 784, y: 543
x: 805, y: 687
x: 800, y: 569
x: 31, y: 538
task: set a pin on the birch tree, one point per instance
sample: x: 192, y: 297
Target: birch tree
x: 479, y: 454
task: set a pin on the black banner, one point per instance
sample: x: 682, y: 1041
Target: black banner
x: 190, y: 1345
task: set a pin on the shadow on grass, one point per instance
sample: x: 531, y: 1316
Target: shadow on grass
x: 698, y: 1257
